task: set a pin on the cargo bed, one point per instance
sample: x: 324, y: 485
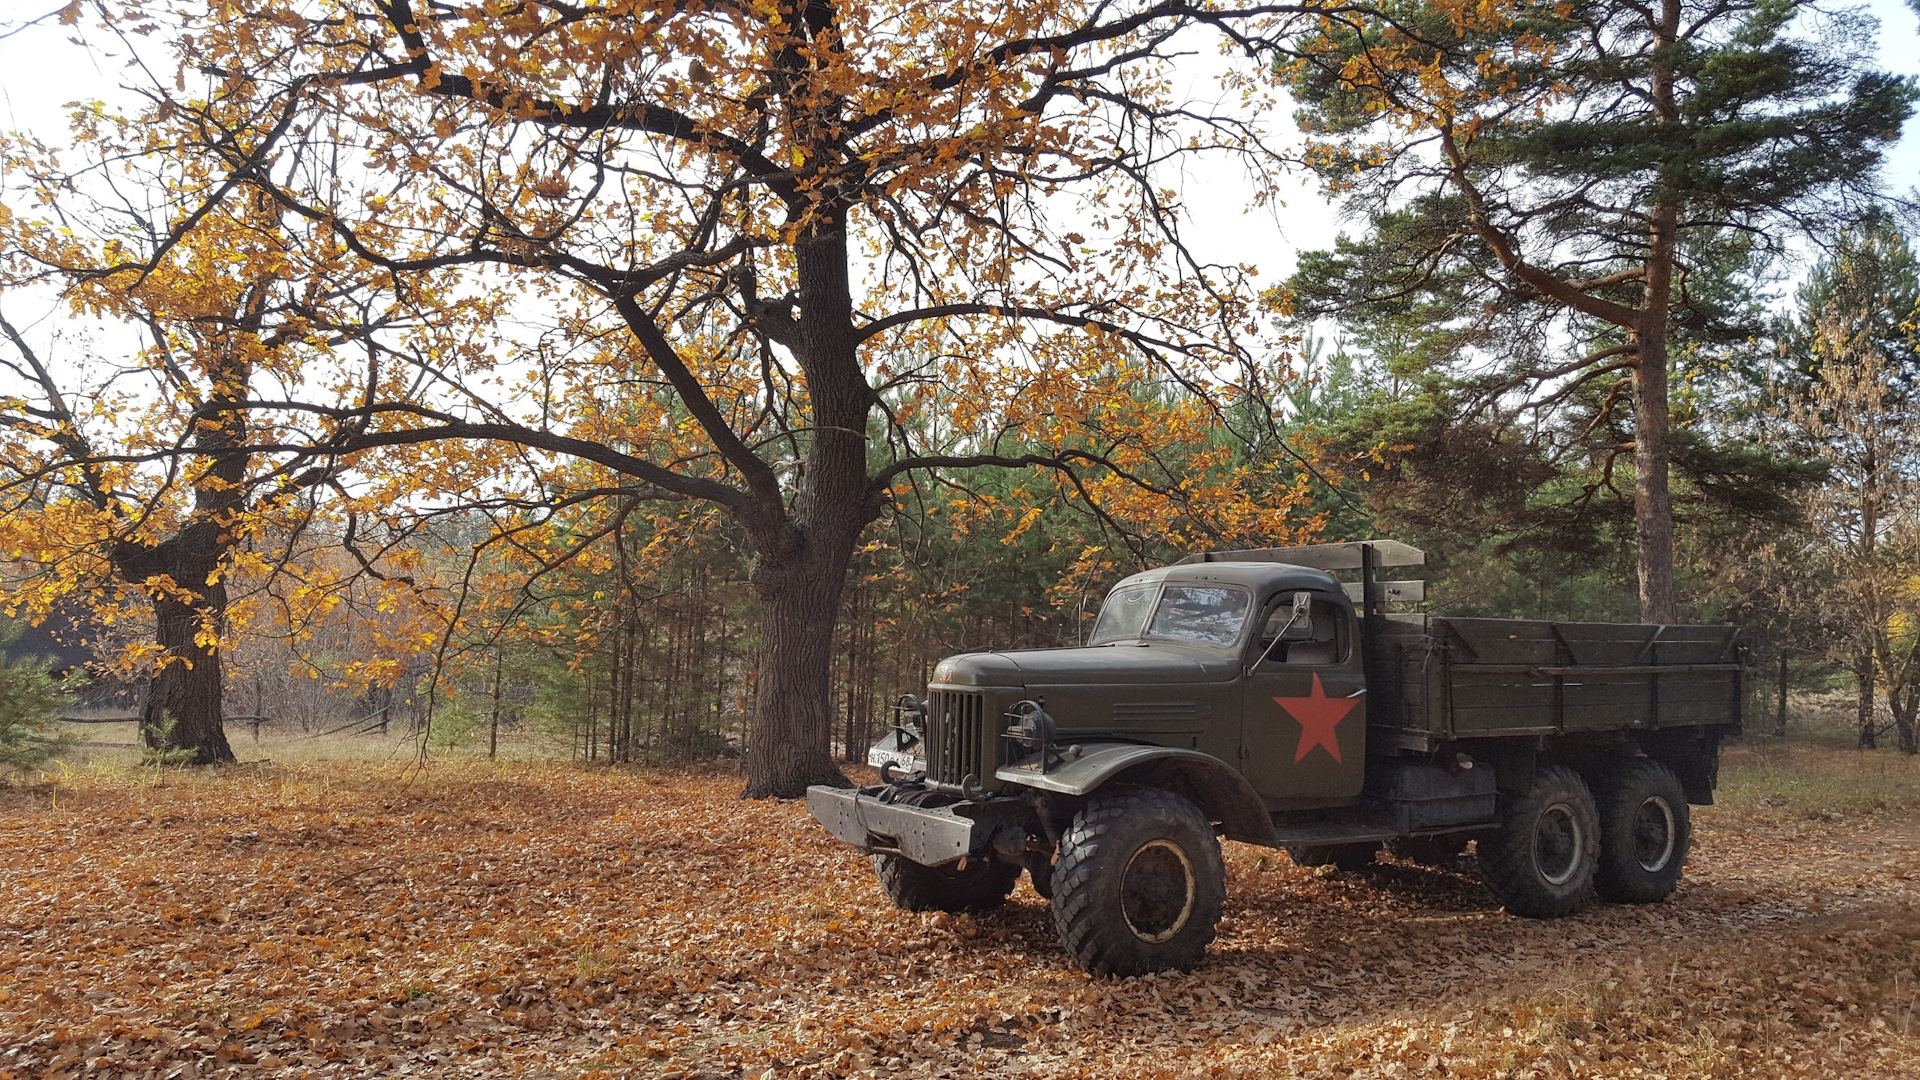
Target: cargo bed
x: 1447, y: 678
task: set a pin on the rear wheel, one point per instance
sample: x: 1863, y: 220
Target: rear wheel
x: 974, y: 884
x: 1139, y: 883
x: 1645, y: 830
x: 1540, y: 859
x: 1347, y: 857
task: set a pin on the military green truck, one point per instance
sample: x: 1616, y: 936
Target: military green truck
x: 1253, y: 695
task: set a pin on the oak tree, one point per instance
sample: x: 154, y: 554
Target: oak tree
x: 135, y: 479
x: 750, y: 241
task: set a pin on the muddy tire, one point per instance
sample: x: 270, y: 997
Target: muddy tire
x: 1348, y: 857
x: 1645, y: 831
x: 1540, y: 860
x: 1441, y: 851
x: 1139, y: 883
x: 981, y: 886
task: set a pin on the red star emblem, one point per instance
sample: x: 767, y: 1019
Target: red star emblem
x: 1319, y: 717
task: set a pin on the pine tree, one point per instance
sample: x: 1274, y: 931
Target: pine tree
x: 1544, y: 183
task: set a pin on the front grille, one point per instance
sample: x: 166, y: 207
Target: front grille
x: 956, y: 737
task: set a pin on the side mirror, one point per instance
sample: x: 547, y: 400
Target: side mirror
x: 1300, y: 625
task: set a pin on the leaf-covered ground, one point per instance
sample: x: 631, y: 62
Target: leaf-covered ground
x: 336, y: 920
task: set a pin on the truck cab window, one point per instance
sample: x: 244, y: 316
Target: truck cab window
x: 1201, y: 614
x: 1327, y: 644
x: 1196, y: 614
x: 1124, y: 616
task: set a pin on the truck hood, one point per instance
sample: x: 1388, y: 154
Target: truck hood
x: 1151, y: 663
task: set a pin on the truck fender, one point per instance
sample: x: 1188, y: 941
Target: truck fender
x: 1220, y: 791
x: 1693, y: 753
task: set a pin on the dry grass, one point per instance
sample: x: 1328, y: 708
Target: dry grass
x: 1771, y: 778
x: 341, y: 919
x: 114, y: 747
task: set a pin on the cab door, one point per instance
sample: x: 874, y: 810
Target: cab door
x: 1304, y: 732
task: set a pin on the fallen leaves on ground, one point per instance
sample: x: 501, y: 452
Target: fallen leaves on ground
x: 340, y: 921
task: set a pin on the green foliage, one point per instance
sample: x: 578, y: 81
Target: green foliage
x: 1775, y: 112
x: 1780, y: 129
x: 1504, y: 172
x: 1871, y: 281
x: 457, y: 721
x: 1525, y: 515
x: 30, y: 704
x: 157, y: 745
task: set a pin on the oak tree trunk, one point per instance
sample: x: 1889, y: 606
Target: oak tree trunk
x: 802, y: 552
x: 789, y: 746
x: 182, y: 722
x: 183, y: 719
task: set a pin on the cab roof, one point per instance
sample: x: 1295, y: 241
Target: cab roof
x: 1261, y: 577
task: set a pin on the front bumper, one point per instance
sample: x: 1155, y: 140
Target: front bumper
x: 930, y: 836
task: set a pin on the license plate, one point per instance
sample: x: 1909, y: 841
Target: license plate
x: 899, y: 759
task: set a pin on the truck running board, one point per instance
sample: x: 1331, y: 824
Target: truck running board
x: 1320, y: 833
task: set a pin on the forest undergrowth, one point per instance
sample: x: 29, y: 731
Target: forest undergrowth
x: 349, y: 920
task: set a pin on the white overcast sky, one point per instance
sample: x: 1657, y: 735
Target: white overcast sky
x: 41, y: 71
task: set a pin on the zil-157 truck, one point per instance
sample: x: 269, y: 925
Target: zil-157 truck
x: 1253, y: 695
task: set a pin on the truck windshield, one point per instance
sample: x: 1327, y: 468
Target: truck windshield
x: 1203, y: 614
x: 1209, y: 614
x: 1124, y: 616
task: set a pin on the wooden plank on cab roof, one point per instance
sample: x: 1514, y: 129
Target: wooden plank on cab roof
x: 1386, y: 554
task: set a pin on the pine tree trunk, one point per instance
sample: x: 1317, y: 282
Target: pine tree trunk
x: 1903, y: 698
x: 1652, y: 502
x: 1652, y: 499
x: 1864, y: 681
x: 493, y: 727
x: 182, y: 719
x: 1780, y: 717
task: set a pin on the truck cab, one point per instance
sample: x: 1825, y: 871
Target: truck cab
x: 1253, y: 664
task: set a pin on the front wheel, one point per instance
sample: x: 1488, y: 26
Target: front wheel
x: 976, y: 884
x: 1540, y: 859
x: 1139, y: 883
x: 1645, y: 830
